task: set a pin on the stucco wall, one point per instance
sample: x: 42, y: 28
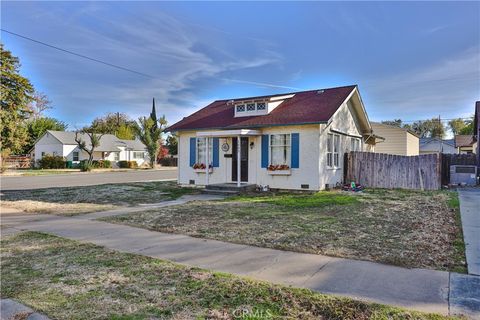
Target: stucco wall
x: 312, y: 169
x: 342, y: 121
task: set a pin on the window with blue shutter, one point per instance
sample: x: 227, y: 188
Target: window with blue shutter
x: 216, y: 160
x: 265, y: 151
x: 193, y: 149
x: 295, y: 150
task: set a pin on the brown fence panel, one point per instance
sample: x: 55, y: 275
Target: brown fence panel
x: 379, y: 170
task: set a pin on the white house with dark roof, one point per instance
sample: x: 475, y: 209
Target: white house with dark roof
x: 62, y: 143
x: 286, y: 141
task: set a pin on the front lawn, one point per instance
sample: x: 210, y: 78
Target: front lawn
x: 68, y: 280
x: 77, y: 200
x: 405, y: 228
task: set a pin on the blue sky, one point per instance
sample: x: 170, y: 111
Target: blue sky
x: 411, y: 60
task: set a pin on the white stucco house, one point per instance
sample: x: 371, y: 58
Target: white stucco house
x: 286, y: 141
x: 62, y: 143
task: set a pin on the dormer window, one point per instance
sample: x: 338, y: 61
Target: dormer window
x: 250, y: 106
x: 261, y: 106
x: 241, y: 108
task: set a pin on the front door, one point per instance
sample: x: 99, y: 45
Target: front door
x: 243, y: 159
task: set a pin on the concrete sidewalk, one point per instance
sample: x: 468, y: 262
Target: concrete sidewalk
x: 470, y: 213
x: 418, y: 289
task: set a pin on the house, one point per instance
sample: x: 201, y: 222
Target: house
x: 436, y: 145
x: 476, y: 129
x: 287, y: 141
x: 399, y: 141
x: 466, y: 143
x: 62, y: 143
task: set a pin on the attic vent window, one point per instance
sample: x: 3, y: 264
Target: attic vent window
x: 250, y: 106
x: 241, y: 108
x: 261, y: 105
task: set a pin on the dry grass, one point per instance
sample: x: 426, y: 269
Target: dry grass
x: 78, y: 200
x: 405, y: 228
x: 68, y: 280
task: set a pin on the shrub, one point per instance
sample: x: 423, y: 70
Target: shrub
x: 103, y: 164
x: 84, y: 166
x: 52, y: 162
x: 127, y: 164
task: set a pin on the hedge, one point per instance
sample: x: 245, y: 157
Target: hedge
x: 52, y: 162
x: 127, y: 164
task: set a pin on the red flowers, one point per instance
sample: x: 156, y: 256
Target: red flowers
x: 201, y: 166
x: 278, y: 167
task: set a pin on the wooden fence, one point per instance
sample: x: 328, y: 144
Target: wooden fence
x: 379, y: 170
x: 452, y: 159
x: 17, y: 162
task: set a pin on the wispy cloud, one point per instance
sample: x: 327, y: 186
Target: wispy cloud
x: 159, y: 45
x: 428, y: 91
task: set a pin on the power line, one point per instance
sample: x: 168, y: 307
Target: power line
x: 78, y: 54
x: 131, y: 70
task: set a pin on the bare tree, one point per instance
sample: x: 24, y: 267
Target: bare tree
x: 40, y: 104
x: 94, y: 142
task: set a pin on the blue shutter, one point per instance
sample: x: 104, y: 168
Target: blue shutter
x: 295, y: 150
x: 264, y: 150
x: 193, y: 149
x: 216, y: 161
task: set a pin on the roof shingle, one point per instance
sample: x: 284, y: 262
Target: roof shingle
x: 313, y: 106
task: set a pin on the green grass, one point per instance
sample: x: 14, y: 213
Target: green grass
x: 399, y: 227
x: 459, y: 243
x: 84, y: 199
x: 319, y: 199
x: 68, y: 280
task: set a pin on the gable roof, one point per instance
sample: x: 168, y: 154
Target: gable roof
x: 305, y: 107
x: 395, y: 127
x: 108, y: 142
x: 464, y: 140
x: 450, y: 142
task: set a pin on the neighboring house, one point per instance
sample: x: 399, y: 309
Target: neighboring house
x: 287, y: 141
x: 399, y: 141
x: 62, y: 143
x: 436, y: 145
x: 466, y: 143
x: 476, y: 129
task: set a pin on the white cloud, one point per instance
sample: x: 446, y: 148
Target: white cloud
x: 448, y: 88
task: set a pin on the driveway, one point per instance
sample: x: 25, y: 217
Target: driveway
x: 85, y: 179
x: 470, y: 212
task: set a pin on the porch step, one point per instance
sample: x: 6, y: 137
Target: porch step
x: 231, y: 187
x: 221, y: 192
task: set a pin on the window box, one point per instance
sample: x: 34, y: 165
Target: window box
x: 202, y: 170
x: 286, y: 172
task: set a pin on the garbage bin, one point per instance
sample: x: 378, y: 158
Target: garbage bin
x: 69, y: 164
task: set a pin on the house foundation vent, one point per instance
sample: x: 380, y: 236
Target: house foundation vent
x: 305, y: 186
x: 191, y: 182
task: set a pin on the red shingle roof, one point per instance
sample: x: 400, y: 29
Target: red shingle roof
x: 314, y: 106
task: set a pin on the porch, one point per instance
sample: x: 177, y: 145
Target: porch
x: 238, y: 158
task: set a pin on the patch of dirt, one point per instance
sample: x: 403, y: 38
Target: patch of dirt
x: 411, y: 229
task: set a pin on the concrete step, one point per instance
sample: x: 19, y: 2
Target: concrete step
x: 230, y: 187
x: 221, y: 192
